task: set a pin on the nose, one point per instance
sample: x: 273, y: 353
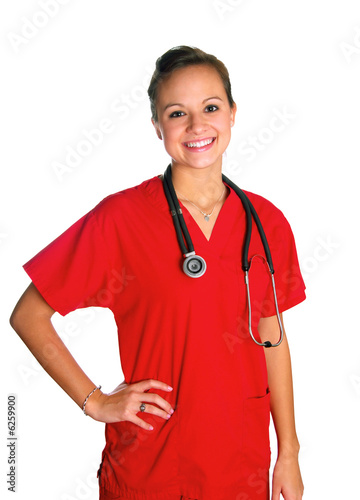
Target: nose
x: 197, y: 124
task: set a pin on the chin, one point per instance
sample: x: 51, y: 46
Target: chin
x: 197, y: 162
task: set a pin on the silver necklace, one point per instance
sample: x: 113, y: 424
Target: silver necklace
x: 206, y: 216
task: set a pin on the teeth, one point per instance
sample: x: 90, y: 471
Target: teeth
x: 198, y: 144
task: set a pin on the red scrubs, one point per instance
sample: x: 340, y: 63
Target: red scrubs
x: 189, y: 333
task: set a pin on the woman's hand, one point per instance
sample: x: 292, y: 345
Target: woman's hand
x: 31, y: 319
x: 123, y: 403
x: 287, y: 479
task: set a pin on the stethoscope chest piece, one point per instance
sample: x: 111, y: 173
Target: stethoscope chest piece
x: 194, y: 266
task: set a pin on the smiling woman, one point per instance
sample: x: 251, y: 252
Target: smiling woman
x: 196, y: 122
x: 191, y: 419
x: 185, y: 57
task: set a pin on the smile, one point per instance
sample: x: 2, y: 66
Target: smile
x: 199, y: 144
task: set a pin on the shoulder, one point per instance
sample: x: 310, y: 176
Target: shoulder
x: 265, y: 207
x: 131, y: 199
x: 272, y: 217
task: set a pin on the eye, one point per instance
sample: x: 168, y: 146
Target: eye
x: 176, y: 114
x: 211, y: 108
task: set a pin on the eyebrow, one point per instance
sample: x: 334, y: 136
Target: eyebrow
x: 179, y: 104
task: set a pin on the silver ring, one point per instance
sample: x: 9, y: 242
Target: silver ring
x: 142, y: 407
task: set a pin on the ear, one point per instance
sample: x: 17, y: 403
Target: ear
x: 157, y: 128
x: 232, y: 114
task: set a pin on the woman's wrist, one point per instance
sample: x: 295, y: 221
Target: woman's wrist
x: 92, y: 402
x: 289, y: 450
x: 88, y: 396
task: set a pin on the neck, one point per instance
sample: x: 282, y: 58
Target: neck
x: 202, y: 186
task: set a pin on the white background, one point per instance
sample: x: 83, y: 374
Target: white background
x: 63, y: 73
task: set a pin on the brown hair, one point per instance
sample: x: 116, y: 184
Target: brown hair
x: 181, y: 57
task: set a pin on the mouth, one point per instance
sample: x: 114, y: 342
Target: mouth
x: 199, y: 146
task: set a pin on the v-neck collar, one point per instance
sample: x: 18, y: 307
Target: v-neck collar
x: 223, y: 224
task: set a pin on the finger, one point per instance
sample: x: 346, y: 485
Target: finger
x: 149, y: 397
x: 141, y: 423
x: 145, y: 385
x: 157, y: 411
x: 275, y: 493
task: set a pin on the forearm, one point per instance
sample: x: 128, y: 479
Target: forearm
x: 282, y: 399
x: 31, y: 320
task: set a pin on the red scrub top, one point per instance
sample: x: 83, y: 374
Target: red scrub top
x: 189, y: 333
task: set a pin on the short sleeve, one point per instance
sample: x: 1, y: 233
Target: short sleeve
x: 289, y: 284
x: 73, y: 271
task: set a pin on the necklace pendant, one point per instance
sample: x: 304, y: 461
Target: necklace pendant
x: 206, y: 217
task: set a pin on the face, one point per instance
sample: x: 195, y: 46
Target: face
x: 194, y: 117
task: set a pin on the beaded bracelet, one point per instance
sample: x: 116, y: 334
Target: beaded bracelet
x: 87, y: 397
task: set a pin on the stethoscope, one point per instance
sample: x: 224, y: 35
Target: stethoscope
x: 194, y: 266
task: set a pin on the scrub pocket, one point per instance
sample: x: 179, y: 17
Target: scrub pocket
x: 256, y: 442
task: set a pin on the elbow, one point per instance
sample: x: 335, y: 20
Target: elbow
x: 31, y: 307
x: 24, y: 309
x: 12, y: 320
x: 16, y: 319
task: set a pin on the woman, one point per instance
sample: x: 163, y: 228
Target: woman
x: 191, y: 418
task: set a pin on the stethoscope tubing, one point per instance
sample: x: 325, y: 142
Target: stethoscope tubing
x: 250, y: 212
x: 177, y: 214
